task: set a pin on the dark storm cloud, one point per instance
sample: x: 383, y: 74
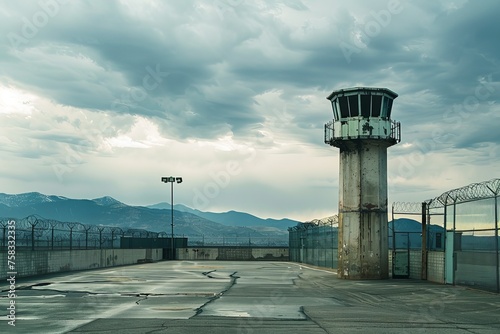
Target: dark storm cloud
x: 445, y: 69
x: 463, y: 48
x: 197, y: 71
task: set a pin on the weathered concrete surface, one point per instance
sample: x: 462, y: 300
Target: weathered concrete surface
x: 363, y: 245
x: 242, y: 297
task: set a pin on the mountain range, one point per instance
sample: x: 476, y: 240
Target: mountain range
x: 232, y: 218
x: 108, y: 211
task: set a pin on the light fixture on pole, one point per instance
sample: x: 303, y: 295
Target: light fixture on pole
x: 172, y: 180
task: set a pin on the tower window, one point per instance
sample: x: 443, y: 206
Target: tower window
x: 365, y: 105
x: 385, y: 107
x: 344, y: 107
x: 389, y: 108
x: 354, y: 106
x: 335, y: 105
x: 376, y: 105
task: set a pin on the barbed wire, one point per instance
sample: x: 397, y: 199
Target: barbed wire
x: 471, y: 192
x: 407, y: 207
x: 332, y: 221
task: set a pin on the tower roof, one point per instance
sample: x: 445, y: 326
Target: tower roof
x: 366, y: 90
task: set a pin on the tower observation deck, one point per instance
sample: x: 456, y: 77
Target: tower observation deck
x: 362, y: 113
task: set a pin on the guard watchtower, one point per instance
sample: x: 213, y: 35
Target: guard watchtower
x: 363, y: 130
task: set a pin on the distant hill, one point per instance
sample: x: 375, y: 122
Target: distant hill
x: 233, y: 218
x: 409, y: 234
x: 108, y: 211
x: 411, y: 225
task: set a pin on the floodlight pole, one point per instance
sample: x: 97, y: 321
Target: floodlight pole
x: 171, y: 180
x: 172, y: 219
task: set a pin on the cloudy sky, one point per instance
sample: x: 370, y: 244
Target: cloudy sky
x: 106, y: 97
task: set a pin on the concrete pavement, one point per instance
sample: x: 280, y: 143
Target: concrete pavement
x: 241, y: 297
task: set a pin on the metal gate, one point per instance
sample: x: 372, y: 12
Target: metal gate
x: 401, y: 255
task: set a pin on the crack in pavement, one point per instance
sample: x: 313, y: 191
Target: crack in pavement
x: 79, y: 293
x: 233, y: 276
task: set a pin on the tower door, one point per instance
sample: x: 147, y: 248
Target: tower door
x: 401, y: 255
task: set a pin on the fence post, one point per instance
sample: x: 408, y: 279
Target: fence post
x: 496, y: 243
x: 424, y: 240
x: 32, y: 237
x: 393, y: 253
x: 333, y: 244
x: 445, y: 236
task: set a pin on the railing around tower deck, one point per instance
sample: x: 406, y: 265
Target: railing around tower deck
x: 361, y: 128
x: 396, y: 131
x: 329, y: 132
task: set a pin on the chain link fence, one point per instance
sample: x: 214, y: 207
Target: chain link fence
x: 452, y: 238
x: 461, y: 237
x: 472, y: 245
x: 37, y: 233
x: 315, y: 242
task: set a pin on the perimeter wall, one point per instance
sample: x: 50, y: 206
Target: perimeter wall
x: 41, y: 262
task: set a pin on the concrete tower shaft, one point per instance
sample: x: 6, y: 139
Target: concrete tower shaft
x: 362, y: 130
